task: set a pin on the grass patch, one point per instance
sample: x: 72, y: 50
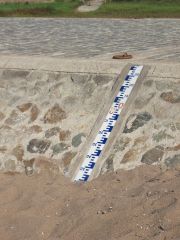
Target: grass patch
x: 57, y: 8
x: 140, y: 9
x: 114, y: 9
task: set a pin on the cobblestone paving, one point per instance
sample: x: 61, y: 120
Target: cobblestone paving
x: 88, y: 37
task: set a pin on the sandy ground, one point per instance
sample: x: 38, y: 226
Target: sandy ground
x: 139, y: 204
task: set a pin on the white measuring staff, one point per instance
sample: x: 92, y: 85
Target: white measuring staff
x: 105, y: 130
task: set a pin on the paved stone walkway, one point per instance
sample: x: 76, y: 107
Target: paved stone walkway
x: 88, y: 37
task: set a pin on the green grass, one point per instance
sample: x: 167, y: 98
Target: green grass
x: 115, y: 9
x: 140, y: 9
x: 57, y: 8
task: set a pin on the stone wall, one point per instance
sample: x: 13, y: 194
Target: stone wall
x: 46, y: 116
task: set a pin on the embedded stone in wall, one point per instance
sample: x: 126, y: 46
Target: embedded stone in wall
x: 28, y: 164
x: 15, y: 118
x: 38, y: 146
x: 52, y: 132
x: 24, y: 107
x: 34, y: 113
x: 136, y: 121
x: 18, y: 152
x: 35, y: 129
x: 54, y: 115
x: 59, y: 148
x: 64, y: 135
x: 170, y: 97
x: 173, y: 161
x: 153, y: 155
x: 77, y: 140
x: 129, y: 156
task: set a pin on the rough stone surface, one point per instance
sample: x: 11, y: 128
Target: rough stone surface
x: 136, y: 121
x: 38, y: 146
x: 52, y: 132
x: 54, y: 115
x: 152, y: 156
x: 77, y: 140
x: 173, y: 161
x: 59, y: 148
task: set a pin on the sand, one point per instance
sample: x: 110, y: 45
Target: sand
x: 139, y: 204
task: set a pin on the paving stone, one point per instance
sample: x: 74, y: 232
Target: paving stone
x: 52, y: 132
x: 54, y: 115
x: 173, y: 161
x: 136, y: 121
x: 151, y: 156
x: 46, y: 36
x: 38, y: 146
x: 77, y: 140
x: 59, y: 148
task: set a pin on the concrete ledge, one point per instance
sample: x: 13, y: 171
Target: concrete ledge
x: 96, y: 66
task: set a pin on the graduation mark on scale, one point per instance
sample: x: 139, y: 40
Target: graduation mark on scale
x: 105, y: 130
